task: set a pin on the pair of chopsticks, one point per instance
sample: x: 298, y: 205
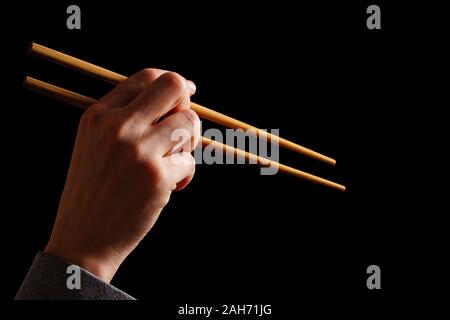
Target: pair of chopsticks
x: 84, y: 102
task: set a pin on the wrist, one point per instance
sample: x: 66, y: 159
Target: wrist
x: 102, y: 267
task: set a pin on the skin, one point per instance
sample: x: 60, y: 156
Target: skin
x: 121, y: 175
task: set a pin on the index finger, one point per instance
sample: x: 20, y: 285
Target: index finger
x: 128, y: 90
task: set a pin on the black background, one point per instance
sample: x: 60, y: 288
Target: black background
x: 364, y: 97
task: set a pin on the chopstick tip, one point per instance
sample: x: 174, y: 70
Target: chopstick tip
x: 31, y: 47
x: 25, y: 82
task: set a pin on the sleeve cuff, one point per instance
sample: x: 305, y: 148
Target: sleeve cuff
x: 47, y: 279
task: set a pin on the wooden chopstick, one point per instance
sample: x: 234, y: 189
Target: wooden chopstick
x: 203, y: 112
x: 81, y: 101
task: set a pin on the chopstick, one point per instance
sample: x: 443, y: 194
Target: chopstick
x: 203, y: 112
x: 83, y: 102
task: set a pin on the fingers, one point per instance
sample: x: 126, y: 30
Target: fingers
x: 141, y: 101
x: 181, y: 168
x: 128, y: 90
x: 180, y: 130
x: 170, y: 90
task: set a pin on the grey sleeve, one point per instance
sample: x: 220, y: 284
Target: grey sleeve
x: 48, y: 277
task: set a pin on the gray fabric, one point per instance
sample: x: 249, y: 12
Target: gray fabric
x: 47, y: 280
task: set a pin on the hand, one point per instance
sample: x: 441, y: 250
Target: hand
x: 121, y: 174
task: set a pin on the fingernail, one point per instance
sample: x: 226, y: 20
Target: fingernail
x: 192, y: 87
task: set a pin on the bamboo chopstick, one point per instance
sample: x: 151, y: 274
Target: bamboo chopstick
x: 81, y: 101
x: 203, y: 112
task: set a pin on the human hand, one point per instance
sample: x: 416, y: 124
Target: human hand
x: 121, y: 174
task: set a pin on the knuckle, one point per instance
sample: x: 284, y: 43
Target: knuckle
x: 174, y: 82
x: 124, y: 136
x: 119, y: 131
x: 191, y: 164
x: 154, y: 172
x: 190, y: 118
x: 92, y: 116
x: 123, y: 128
x: 147, y: 75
